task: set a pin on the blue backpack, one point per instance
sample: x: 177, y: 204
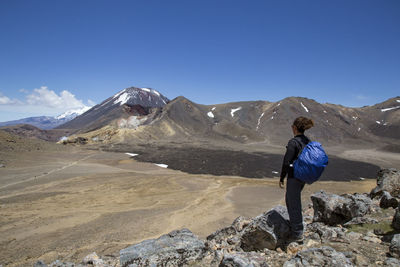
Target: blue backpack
x: 311, y: 162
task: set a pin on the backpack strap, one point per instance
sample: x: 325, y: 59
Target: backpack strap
x: 302, y: 145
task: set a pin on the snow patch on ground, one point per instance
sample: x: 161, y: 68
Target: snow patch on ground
x: 359, y: 128
x: 62, y: 139
x: 398, y: 100
x: 355, y: 118
x: 306, y: 109
x: 325, y: 111
x: 234, y: 110
x: 161, y: 165
x: 210, y: 114
x: 132, y: 154
x: 122, y: 99
x: 213, y: 108
x: 274, y: 172
x: 387, y: 109
x: 378, y: 122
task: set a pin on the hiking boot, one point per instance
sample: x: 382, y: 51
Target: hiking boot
x: 296, y: 238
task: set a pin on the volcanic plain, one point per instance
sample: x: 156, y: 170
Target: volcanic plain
x: 64, y: 202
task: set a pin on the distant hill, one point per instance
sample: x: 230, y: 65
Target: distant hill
x: 47, y: 122
x: 31, y: 132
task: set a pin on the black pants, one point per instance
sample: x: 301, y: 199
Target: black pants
x: 293, y: 204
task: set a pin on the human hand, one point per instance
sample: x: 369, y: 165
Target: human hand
x: 281, y: 184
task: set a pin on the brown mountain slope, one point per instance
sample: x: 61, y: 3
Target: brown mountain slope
x: 182, y: 120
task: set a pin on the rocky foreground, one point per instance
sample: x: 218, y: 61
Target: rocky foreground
x: 345, y: 230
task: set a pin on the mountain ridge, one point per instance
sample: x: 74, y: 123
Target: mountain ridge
x: 143, y: 115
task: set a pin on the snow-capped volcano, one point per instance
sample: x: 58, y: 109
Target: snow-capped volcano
x: 125, y: 103
x: 72, y: 114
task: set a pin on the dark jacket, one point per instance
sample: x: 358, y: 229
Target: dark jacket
x: 295, y: 145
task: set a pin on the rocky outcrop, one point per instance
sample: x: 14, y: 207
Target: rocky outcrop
x: 323, y: 256
x: 243, y: 259
x: 333, y: 209
x: 268, y: 230
x: 395, y: 246
x: 387, y: 180
x: 392, y: 262
x: 387, y: 201
x: 396, y: 220
x: 176, y: 248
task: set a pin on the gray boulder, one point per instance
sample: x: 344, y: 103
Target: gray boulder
x: 387, y: 201
x: 39, y: 264
x: 327, y: 233
x: 396, y: 220
x: 392, y: 262
x: 268, y: 230
x: 361, y: 220
x: 228, y: 237
x: 323, y: 256
x: 333, y: 209
x: 59, y: 263
x: 394, y: 247
x: 387, y: 180
x: 243, y: 259
x: 225, y: 238
x: 173, y: 249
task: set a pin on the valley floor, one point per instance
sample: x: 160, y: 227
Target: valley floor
x: 67, y: 204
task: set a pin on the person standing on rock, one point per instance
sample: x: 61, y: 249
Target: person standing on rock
x: 295, y: 186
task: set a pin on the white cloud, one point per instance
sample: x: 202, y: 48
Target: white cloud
x: 48, y: 98
x: 39, y: 102
x: 4, y: 100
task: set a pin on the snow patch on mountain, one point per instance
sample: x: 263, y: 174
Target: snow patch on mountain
x: 122, y: 99
x: 259, y: 120
x: 235, y: 110
x: 71, y: 114
x: 387, y: 109
x: 210, y: 114
x: 306, y: 109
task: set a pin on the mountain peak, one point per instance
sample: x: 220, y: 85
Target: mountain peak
x: 143, y: 96
x: 118, y: 106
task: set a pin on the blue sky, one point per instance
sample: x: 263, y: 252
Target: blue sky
x: 59, y: 55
